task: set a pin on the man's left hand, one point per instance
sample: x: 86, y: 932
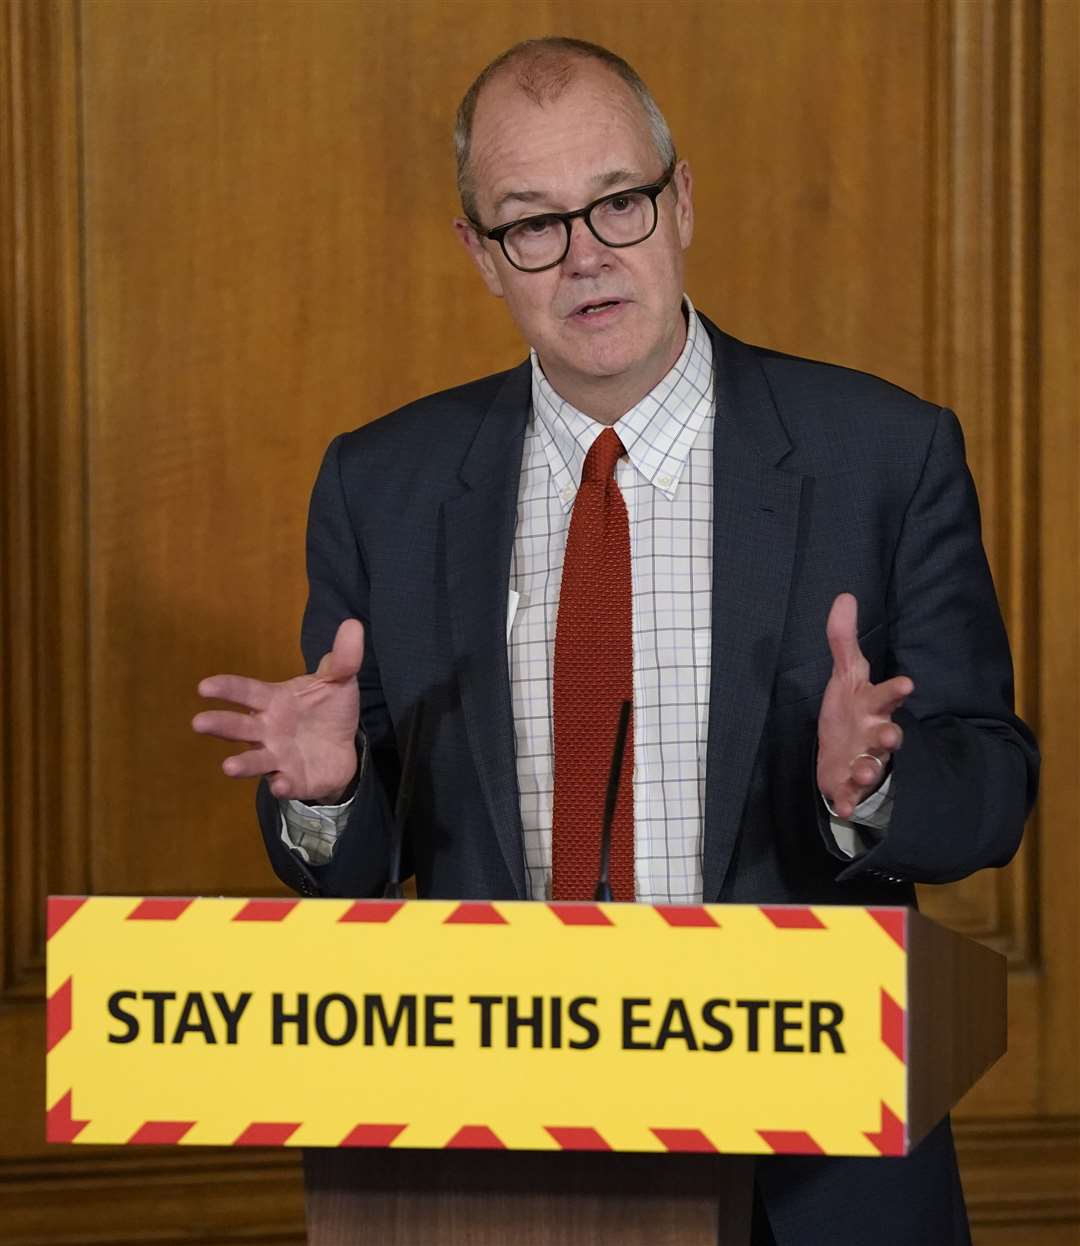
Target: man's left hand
x: 856, y: 734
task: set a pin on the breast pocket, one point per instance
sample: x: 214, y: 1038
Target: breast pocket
x: 808, y: 679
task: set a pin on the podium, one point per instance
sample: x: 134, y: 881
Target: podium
x: 473, y: 1072
x: 465, y: 1198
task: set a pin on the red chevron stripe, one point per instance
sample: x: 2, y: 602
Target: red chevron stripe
x: 893, y: 922
x: 890, y: 1138
x: 684, y: 1140
x: 159, y: 1133
x: 59, y: 1124
x: 471, y: 914
x: 577, y: 1138
x: 59, y: 910
x: 686, y: 915
x: 790, y: 1142
x: 372, y: 911
x: 371, y: 1135
x: 578, y: 914
x: 892, y: 1026
x: 158, y: 910
x: 265, y: 910
x: 266, y: 1133
x: 792, y: 917
x: 475, y: 1138
x: 57, y: 1015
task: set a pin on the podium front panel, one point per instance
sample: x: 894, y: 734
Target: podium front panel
x: 442, y: 1024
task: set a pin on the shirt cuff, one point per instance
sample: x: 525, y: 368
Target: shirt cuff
x: 312, y: 831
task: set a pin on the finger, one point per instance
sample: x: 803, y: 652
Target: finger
x: 279, y: 786
x: 887, y: 697
x: 866, y: 773
x: 841, y: 629
x: 843, y: 801
x: 282, y: 786
x: 882, y: 742
x: 252, y: 693
x: 835, y: 783
x: 885, y: 739
x: 227, y: 725
x: 256, y: 761
x: 344, y: 659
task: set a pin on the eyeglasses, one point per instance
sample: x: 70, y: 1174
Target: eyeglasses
x: 621, y: 219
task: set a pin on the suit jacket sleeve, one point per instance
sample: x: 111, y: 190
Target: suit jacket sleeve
x: 338, y: 590
x: 966, y: 775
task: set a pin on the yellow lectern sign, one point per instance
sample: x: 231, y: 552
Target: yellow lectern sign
x: 626, y: 1027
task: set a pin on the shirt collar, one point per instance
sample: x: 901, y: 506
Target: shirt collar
x: 658, y: 431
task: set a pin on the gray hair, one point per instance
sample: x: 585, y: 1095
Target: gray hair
x: 544, y: 69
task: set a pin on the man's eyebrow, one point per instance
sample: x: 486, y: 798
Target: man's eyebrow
x: 605, y: 181
x: 600, y: 183
x: 519, y: 196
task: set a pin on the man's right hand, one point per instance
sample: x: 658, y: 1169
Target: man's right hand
x: 303, y: 730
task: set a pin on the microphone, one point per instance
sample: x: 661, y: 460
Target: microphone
x: 392, y: 890
x: 603, y: 887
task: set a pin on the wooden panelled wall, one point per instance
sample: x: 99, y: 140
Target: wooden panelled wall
x: 224, y: 237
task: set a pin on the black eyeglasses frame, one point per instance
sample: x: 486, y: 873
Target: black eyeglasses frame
x: 653, y: 190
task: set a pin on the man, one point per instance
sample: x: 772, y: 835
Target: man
x: 778, y: 562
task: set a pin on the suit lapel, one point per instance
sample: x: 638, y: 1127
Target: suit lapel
x: 479, y: 533
x: 755, y: 529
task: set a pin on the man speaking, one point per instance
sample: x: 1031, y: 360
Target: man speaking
x: 776, y: 561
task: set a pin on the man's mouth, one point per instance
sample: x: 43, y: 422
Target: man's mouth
x: 592, y: 309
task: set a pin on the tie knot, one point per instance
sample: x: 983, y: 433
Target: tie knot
x: 604, y: 453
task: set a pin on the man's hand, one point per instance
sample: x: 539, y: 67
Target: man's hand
x: 303, y: 730
x: 855, y: 724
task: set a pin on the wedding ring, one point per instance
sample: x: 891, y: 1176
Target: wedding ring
x: 880, y: 763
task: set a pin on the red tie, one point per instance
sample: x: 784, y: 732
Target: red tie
x: 594, y: 674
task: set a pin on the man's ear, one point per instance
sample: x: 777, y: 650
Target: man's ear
x: 684, y: 205
x: 479, y: 254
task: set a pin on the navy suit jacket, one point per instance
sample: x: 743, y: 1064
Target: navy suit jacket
x: 826, y: 480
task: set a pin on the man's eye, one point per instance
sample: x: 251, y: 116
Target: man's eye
x: 538, y: 226
x: 620, y: 203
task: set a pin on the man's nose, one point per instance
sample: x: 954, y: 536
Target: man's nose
x: 587, y: 254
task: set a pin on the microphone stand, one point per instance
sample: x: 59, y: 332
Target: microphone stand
x: 603, y: 887
x: 392, y: 890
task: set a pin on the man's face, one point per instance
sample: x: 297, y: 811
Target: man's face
x: 525, y: 159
